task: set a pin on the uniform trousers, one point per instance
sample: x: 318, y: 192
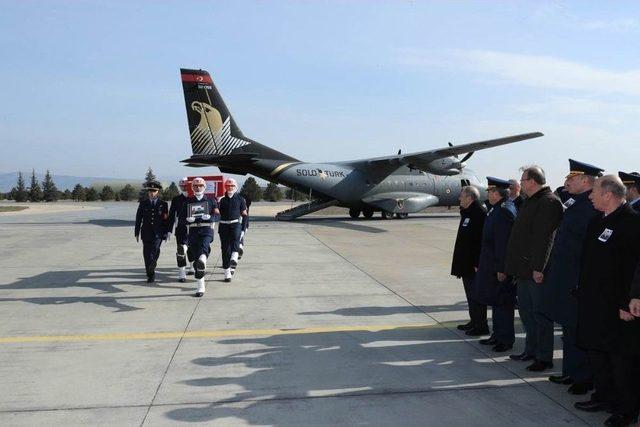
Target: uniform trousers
x: 151, y: 253
x: 477, y: 311
x: 200, y: 239
x: 229, y: 241
x: 182, y: 239
x: 575, y: 363
x: 538, y: 327
x: 503, y: 329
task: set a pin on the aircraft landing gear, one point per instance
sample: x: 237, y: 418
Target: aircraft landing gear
x: 367, y: 213
x: 386, y: 215
x: 354, y: 213
x: 402, y: 215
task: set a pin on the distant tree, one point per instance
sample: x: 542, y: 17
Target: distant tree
x: 91, y: 194
x: 295, y: 195
x: 150, y: 176
x: 3, y: 195
x: 79, y: 194
x: 49, y: 189
x: 66, y: 195
x: 272, y: 193
x: 107, y: 193
x: 170, y: 192
x: 117, y: 196
x: 127, y: 193
x: 251, y: 190
x: 20, y: 194
x: 35, y: 192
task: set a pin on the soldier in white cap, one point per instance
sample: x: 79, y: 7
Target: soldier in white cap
x: 200, y: 213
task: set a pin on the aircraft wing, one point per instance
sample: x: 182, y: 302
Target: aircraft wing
x: 422, y: 160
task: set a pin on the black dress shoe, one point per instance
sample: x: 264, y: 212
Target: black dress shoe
x: 539, y: 366
x: 561, y: 379
x: 199, y: 294
x: 227, y: 280
x: 150, y: 279
x: 592, y: 406
x: 488, y: 341
x: 618, y: 420
x: 465, y: 327
x: 182, y: 280
x: 522, y: 357
x: 501, y: 348
x: 476, y: 332
x: 580, y: 388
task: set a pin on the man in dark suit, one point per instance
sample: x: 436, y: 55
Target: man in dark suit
x: 151, y: 225
x: 632, y: 182
x: 606, y: 329
x: 466, y: 254
x: 492, y: 286
x: 563, y: 271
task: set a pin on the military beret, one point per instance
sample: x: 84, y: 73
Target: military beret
x: 580, y: 168
x: 494, y: 183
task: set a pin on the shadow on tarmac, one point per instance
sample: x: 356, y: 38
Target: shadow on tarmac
x: 105, y: 281
x: 388, y: 311
x: 301, y: 379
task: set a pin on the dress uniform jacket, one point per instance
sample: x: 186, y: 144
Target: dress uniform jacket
x: 532, y: 235
x: 563, y: 269
x: 466, y: 252
x: 495, y: 236
x: 176, y: 211
x: 151, y: 220
x: 200, y: 231
x: 609, y: 260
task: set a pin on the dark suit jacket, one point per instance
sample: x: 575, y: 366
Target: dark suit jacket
x: 466, y: 251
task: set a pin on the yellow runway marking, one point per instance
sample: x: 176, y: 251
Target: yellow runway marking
x: 208, y: 334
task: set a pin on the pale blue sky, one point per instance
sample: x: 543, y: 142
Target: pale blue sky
x: 92, y: 87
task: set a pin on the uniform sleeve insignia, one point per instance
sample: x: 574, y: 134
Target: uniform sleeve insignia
x: 605, y: 235
x: 568, y: 203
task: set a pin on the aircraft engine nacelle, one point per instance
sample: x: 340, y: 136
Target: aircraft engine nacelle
x: 445, y: 166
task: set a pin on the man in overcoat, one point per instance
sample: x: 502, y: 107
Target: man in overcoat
x: 466, y: 254
x: 606, y: 329
x: 492, y: 286
x: 563, y: 271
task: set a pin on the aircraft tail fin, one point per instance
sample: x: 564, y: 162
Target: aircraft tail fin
x: 212, y: 129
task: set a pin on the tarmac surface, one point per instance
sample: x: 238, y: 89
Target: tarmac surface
x: 328, y: 321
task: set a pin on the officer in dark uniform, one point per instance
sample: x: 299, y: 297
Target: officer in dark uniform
x: 176, y: 212
x: 245, y: 226
x: 492, y: 286
x: 200, y: 212
x: 632, y: 182
x: 151, y: 225
x: 563, y: 270
x: 466, y: 254
x: 606, y: 328
x: 232, y: 208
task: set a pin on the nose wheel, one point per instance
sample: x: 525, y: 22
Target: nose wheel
x: 386, y: 215
x: 354, y: 213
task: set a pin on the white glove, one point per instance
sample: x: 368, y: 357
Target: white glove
x: 191, y: 219
x: 206, y: 217
x: 242, y: 235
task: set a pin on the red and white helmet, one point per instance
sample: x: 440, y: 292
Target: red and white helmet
x: 198, y: 185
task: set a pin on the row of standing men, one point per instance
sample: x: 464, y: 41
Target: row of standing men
x: 570, y: 257
x: 194, y: 221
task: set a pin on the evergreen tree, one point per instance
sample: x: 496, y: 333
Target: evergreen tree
x: 3, y: 195
x: 272, y: 193
x: 91, y: 194
x: 127, y: 193
x: 170, y: 192
x: 251, y: 190
x: 49, y: 189
x: 66, y: 195
x: 79, y: 194
x: 150, y: 176
x: 20, y: 194
x: 35, y: 192
x: 107, y: 193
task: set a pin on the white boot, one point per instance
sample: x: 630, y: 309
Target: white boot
x: 227, y: 275
x: 201, y: 288
x: 182, y: 274
x: 203, y: 260
x: 234, y: 259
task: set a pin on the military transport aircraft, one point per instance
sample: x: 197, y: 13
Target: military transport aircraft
x: 393, y: 185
